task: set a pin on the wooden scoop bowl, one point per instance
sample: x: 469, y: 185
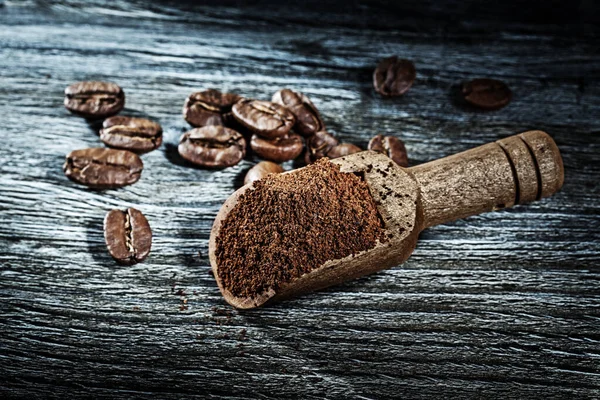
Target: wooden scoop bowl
x: 515, y: 170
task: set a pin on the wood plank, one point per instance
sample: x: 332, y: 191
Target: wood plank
x: 501, y: 305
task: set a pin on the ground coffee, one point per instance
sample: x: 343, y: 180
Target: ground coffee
x: 290, y: 224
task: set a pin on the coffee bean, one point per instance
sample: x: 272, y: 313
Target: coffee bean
x: 102, y: 168
x: 209, y: 107
x: 489, y: 94
x: 342, y: 150
x: 94, y: 100
x: 390, y: 146
x: 393, y: 76
x: 264, y: 118
x: 129, y: 133
x: 127, y: 235
x: 318, y: 145
x: 279, y: 149
x: 261, y: 170
x: 308, y: 119
x: 212, y: 146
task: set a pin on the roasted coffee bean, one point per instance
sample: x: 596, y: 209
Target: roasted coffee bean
x: 102, y: 168
x: 209, y: 107
x: 393, y: 76
x: 390, y: 146
x: 94, y: 100
x: 128, y: 236
x: 261, y: 170
x: 342, y: 150
x: 136, y: 134
x: 308, y: 119
x: 264, y: 118
x: 489, y: 94
x: 318, y: 145
x: 280, y: 149
x: 212, y: 146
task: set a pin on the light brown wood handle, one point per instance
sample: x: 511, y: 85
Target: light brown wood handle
x: 514, y: 170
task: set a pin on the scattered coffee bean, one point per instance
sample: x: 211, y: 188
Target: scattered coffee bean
x: 261, y: 170
x: 212, y: 146
x: 127, y: 235
x: 342, y: 150
x: 308, y: 119
x: 390, y: 146
x: 94, y: 100
x: 318, y: 145
x: 489, y: 94
x: 280, y: 149
x: 393, y: 76
x: 129, y: 133
x: 264, y: 118
x: 209, y: 107
x: 102, y: 168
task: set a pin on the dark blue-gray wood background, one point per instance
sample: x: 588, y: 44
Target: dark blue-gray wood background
x: 501, y: 305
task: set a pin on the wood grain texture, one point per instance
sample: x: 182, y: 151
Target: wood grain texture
x: 501, y: 305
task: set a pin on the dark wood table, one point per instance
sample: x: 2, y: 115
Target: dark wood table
x: 501, y: 305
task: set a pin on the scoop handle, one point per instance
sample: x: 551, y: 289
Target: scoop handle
x: 515, y: 170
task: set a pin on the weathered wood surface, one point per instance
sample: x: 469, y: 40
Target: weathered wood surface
x: 501, y: 305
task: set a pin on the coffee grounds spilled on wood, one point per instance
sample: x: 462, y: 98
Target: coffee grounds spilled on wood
x: 290, y: 224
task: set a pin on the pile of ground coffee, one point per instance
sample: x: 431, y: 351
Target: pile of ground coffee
x: 290, y: 224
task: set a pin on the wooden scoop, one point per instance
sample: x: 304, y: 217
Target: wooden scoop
x: 515, y: 170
